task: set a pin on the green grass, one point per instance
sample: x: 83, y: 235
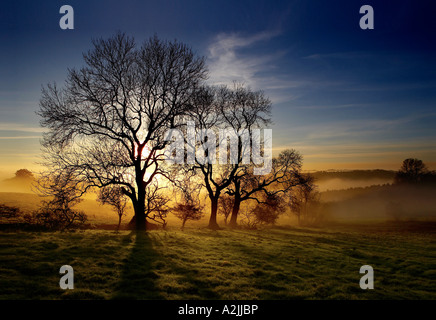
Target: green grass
x: 276, y: 263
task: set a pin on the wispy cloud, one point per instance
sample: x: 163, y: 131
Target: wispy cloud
x: 339, y: 55
x: 334, y: 133
x: 241, y: 58
x: 19, y: 131
x: 228, y: 64
x: 351, y: 128
x: 19, y: 127
x: 322, y: 156
x: 359, y: 140
x: 20, y: 138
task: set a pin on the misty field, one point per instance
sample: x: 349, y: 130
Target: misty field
x: 273, y: 263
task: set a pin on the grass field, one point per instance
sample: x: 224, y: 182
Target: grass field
x: 274, y: 263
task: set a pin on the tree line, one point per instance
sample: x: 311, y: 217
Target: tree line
x: 302, y: 200
x: 106, y: 130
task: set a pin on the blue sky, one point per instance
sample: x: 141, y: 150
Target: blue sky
x: 344, y: 97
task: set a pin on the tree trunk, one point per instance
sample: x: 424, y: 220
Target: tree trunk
x: 235, y: 211
x: 140, y: 221
x: 213, y: 214
x: 139, y: 207
x: 119, y: 221
x: 139, y: 204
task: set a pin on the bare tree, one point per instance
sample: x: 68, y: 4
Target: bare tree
x: 304, y: 201
x: 187, y: 188
x: 225, y: 206
x: 24, y: 174
x: 156, y: 202
x: 238, y: 110
x: 266, y: 211
x: 108, y: 123
x: 8, y: 212
x: 63, y: 194
x: 412, y: 171
x: 115, y: 197
x: 285, y: 174
x: 187, y: 212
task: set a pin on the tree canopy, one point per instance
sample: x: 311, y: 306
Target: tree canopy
x: 107, y: 123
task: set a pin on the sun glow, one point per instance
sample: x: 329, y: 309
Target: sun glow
x: 149, y: 155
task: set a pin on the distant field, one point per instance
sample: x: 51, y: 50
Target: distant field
x: 277, y: 263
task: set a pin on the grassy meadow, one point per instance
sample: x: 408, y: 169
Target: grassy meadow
x: 272, y: 263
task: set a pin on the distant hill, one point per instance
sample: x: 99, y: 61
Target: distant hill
x: 355, y: 174
x: 381, y: 202
x: 346, y: 179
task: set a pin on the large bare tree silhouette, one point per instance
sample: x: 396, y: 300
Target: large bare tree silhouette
x: 107, y: 123
x: 236, y: 110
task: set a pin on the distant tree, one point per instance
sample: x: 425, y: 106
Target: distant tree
x: 225, y: 206
x: 24, y: 174
x: 8, y: 212
x: 412, y: 171
x: 354, y: 174
x: 187, y: 190
x: 304, y: 201
x: 115, y: 197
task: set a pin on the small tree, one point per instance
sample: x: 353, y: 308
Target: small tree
x: 187, y: 212
x: 156, y: 203
x: 285, y: 174
x: 8, y: 213
x: 304, y: 201
x: 226, y: 207
x: 58, y: 213
x: 266, y: 211
x: 188, y: 207
x: 412, y: 171
x: 114, y: 197
x: 24, y: 174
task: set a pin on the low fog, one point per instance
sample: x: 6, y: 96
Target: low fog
x: 339, y: 184
x: 378, y: 203
x: 342, y: 200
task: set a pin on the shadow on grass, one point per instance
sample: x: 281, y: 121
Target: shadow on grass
x: 137, y: 277
x: 193, y: 282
